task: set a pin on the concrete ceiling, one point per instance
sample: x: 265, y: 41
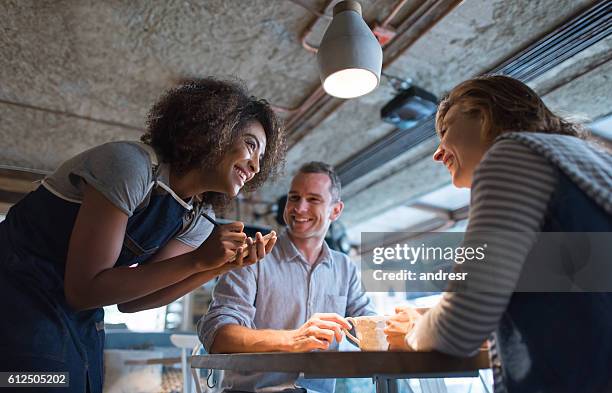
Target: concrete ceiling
x: 74, y: 74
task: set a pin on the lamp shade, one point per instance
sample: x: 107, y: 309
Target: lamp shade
x: 349, y: 57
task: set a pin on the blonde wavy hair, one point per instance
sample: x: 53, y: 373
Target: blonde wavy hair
x: 506, y: 104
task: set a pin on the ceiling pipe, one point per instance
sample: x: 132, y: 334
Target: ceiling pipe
x: 416, y: 25
x: 398, y: 6
x: 305, y: 34
x: 309, y: 28
x: 298, y: 110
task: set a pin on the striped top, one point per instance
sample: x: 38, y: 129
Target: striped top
x: 511, y: 189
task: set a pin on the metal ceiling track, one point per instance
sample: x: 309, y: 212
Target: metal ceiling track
x: 386, y: 149
x: 573, y: 36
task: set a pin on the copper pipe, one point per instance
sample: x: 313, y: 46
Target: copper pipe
x: 294, y: 110
x: 306, y: 45
x: 282, y: 109
x: 298, y: 109
x: 394, y: 12
x: 309, y: 48
x: 392, y: 52
x: 307, y: 104
x: 302, y: 107
x: 308, y: 30
x: 419, y: 12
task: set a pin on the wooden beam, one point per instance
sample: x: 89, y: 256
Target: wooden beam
x: 4, y: 207
x: 10, y: 197
x: 15, y: 183
x: 22, y: 174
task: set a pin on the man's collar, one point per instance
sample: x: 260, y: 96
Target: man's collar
x: 290, y: 251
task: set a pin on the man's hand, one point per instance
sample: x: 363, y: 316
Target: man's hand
x: 317, y: 333
x: 399, y: 325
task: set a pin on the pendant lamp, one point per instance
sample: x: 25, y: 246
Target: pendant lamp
x: 349, y: 57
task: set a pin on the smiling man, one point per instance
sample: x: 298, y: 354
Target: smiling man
x: 296, y: 299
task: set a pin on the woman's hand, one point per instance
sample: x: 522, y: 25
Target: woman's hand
x: 223, y: 245
x: 228, y: 247
x: 399, y: 325
x: 255, y: 249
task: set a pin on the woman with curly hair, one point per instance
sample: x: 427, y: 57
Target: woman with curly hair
x: 122, y: 224
x: 533, y: 177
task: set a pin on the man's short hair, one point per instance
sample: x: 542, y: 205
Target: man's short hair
x: 321, y: 167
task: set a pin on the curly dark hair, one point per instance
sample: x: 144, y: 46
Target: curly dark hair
x: 195, y: 123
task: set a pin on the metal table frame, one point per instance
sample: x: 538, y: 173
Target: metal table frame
x: 383, y: 367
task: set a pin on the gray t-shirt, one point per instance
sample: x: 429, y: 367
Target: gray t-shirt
x: 123, y: 173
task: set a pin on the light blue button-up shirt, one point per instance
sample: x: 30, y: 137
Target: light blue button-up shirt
x: 282, y: 292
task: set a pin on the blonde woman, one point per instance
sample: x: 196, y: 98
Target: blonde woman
x: 529, y: 172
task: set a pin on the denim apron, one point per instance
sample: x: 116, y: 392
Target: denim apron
x: 39, y: 331
x: 559, y: 342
